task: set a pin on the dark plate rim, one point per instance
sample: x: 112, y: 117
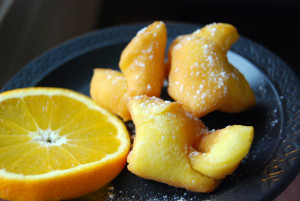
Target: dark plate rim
x: 276, y: 70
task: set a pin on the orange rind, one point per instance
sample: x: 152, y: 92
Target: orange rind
x: 57, y: 144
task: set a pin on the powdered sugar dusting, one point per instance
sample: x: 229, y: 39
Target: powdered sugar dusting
x: 193, y: 154
x: 181, y: 87
x: 213, y: 31
x: 142, y: 192
x: 139, y: 63
x: 143, y: 30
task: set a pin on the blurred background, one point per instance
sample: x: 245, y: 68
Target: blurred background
x: 29, y: 28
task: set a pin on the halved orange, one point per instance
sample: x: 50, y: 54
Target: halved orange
x: 57, y: 144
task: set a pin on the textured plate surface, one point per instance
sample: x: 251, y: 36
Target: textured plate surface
x: 274, y: 158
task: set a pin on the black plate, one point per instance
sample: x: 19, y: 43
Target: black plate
x: 274, y: 158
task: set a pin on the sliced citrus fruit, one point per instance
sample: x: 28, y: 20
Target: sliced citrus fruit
x: 57, y: 144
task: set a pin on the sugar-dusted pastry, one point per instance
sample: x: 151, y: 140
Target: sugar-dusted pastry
x: 107, y: 89
x: 142, y: 61
x: 203, y: 80
x: 164, y: 134
x: 142, y: 65
x: 222, y: 34
x: 218, y: 154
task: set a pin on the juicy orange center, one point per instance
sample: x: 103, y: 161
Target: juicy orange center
x: 48, y: 137
x: 41, y: 133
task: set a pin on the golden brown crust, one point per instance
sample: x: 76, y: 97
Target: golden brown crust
x: 142, y: 61
x: 164, y: 133
x: 107, y: 89
x: 203, y: 80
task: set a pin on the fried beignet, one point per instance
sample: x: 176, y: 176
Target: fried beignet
x: 142, y: 64
x: 142, y: 61
x: 218, y: 154
x: 107, y: 89
x: 203, y: 80
x: 164, y: 133
x: 222, y: 34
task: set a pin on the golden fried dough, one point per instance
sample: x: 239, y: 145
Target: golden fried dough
x: 107, y: 89
x: 218, y: 154
x: 164, y: 133
x: 142, y: 61
x: 203, y: 80
x: 222, y: 34
x: 142, y: 64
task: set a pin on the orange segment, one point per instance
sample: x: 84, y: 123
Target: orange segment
x: 8, y: 140
x: 40, y: 108
x: 71, y: 108
x: 142, y: 61
x: 84, y: 119
x: 105, y: 145
x: 57, y: 139
x: 34, y: 161
x: 83, y: 154
x: 61, y: 159
x: 10, y: 128
x: 93, y: 132
x: 10, y: 154
x: 8, y: 110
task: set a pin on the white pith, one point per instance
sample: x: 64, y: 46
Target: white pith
x: 48, y: 137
